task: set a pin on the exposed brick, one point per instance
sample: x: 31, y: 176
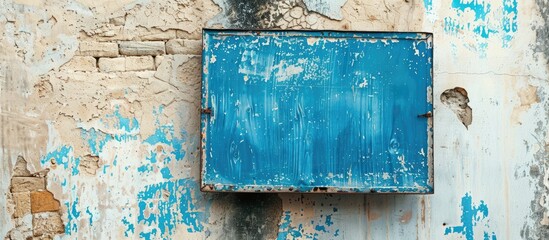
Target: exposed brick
x: 81, y: 63
x: 89, y: 164
x: 47, y: 224
x: 43, y: 201
x: 132, y: 63
x: 157, y: 34
x: 184, y: 46
x: 98, y: 49
x: 22, y: 204
x: 120, y: 33
x: 133, y: 48
x: 139, y: 63
x: 112, y: 64
x: 27, y: 184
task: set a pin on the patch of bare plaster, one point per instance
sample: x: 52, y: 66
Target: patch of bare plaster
x: 328, y: 8
x: 22, y: 131
x: 179, y: 72
x: 34, y: 209
x: 39, y: 40
x: 527, y: 96
x: 457, y: 100
x: 20, y: 169
x: 388, y: 15
x: 152, y: 21
x: 89, y: 164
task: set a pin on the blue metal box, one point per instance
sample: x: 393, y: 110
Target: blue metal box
x: 317, y: 111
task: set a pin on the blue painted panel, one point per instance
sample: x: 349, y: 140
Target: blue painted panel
x: 317, y: 111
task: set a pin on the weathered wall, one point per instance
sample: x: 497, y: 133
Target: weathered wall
x: 105, y: 95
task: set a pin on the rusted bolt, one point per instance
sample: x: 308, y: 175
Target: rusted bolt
x: 425, y: 115
x: 206, y: 110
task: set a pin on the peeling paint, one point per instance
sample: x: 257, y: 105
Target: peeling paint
x: 489, y: 19
x: 165, y: 205
x: 472, y: 217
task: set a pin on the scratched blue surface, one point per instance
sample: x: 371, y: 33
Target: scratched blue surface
x: 293, y: 111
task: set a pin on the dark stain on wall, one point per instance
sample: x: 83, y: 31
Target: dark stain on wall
x: 542, y: 32
x: 252, y: 14
x: 251, y: 216
x: 537, y: 230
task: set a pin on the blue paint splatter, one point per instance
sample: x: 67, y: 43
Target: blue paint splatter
x: 509, y: 20
x: 165, y: 135
x: 124, y: 124
x: 75, y: 170
x: 320, y: 228
x: 64, y: 157
x: 145, y: 168
x: 488, y: 21
x: 286, y: 230
x: 428, y: 5
x: 73, y: 215
x: 169, y: 204
x: 61, y: 156
x: 90, y: 214
x: 166, y: 173
x: 129, y: 225
x: 470, y: 217
x: 479, y: 26
x: 148, y: 235
x: 329, y: 220
x: 479, y: 8
x: 127, y: 129
x: 167, y: 147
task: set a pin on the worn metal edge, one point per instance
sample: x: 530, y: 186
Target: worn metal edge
x: 431, y: 122
x: 203, y: 104
x: 304, y: 32
x: 419, y: 190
